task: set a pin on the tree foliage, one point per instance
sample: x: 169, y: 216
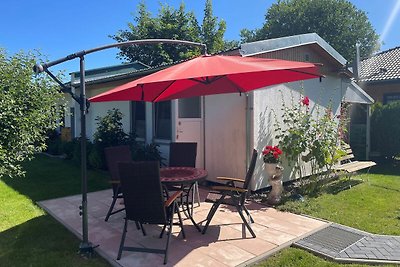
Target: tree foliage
x: 338, y: 22
x: 29, y: 107
x: 171, y: 23
x: 385, y: 129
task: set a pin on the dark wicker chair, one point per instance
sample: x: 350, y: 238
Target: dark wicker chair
x: 145, y: 203
x: 113, y: 156
x: 183, y: 154
x: 232, y: 195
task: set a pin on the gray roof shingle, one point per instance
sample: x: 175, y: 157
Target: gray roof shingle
x: 381, y: 67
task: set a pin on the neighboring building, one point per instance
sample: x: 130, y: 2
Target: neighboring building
x: 226, y: 127
x: 380, y: 75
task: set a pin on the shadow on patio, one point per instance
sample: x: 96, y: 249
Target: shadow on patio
x: 226, y: 242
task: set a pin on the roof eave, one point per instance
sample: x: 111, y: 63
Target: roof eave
x: 271, y: 45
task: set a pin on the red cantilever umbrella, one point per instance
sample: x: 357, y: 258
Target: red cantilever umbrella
x: 208, y: 75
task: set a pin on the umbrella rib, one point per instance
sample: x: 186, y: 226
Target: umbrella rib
x: 304, y: 72
x: 207, y: 80
x: 169, y: 85
x: 235, y: 85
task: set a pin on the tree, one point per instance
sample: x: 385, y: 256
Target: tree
x: 385, y: 129
x: 339, y: 22
x: 171, y: 23
x: 29, y: 108
x: 212, y: 32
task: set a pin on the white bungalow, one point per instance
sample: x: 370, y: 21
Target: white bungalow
x: 226, y: 127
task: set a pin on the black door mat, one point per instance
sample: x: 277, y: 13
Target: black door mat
x: 346, y: 244
x: 330, y: 241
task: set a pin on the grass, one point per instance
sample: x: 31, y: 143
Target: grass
x: 30, y: 237
x: 372, y: 206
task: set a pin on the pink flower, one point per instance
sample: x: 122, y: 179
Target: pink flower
x: 305, y: 101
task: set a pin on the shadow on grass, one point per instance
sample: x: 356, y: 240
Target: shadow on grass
x: 48, y: 178
x: 386, y: 168
x: 42, y: 241
x: 385, y: 187
x: 338, y: 186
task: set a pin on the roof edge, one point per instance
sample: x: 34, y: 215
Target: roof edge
x: 270, y: 45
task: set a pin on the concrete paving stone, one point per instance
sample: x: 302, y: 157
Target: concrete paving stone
x: 224, y: 244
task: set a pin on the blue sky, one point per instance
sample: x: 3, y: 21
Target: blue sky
x: 59, y: 28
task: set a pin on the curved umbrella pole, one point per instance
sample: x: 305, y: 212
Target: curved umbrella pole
x: 85, y: 246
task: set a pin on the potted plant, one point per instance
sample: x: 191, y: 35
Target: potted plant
x: 271, y: 158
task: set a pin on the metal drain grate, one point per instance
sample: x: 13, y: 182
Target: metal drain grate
x: 330, y: 240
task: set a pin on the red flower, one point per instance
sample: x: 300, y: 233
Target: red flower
x: 305, y: 101
x: 271, y: 154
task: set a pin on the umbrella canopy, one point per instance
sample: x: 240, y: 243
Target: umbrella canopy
x: 208, y: 75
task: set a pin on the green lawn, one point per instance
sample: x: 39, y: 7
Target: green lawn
x: 30, y: 237
x: 372, y: 206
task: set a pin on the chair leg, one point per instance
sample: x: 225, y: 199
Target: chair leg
x: 248, y: 214
x: 111, y: 208
x: 141, y: 227
x: 211, y: 213
x: 137, y: 225
x: 121, y: 245
x: 169, y: 236
x: 240, y: 210
x: 162, y: 231
x: 180, y: 221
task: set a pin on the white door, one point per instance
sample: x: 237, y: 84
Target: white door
x: 189, y: 125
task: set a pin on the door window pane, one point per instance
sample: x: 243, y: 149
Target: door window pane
x: 163, y: 120
x: 189, y: 107
x: 139, y: 119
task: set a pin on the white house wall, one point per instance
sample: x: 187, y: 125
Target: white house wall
x: 99, y: 109
x: 266, y: 100
x: 225, y: 135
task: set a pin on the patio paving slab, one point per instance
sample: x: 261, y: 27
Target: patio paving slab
x: 226, y: 243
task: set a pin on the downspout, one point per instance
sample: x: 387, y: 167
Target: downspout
x: 204, y: 131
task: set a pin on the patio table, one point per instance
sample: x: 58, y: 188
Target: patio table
x: 183, y: 176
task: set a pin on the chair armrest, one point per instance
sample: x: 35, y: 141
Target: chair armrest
x: 172, y: 198
x: 231, y: 179
x: 228, y: 188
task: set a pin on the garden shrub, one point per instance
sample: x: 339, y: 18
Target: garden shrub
x: 385, y: 129
x: 147, y: 152
x: 109, y: 133
x: 310, y: 138
x: 76, y: 158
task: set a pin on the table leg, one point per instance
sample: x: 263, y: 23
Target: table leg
x: 190, y: 209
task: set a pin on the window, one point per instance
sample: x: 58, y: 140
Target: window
x: 162, y: 116
x: 138, y: 123
x: 189, y: 107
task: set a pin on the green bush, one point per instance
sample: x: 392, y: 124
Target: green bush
x: 385, y: 129
x: 68, y: 148
x: 76, y: 158
x: 109, y: 133
x: 94, y: 158
x: 148, y: 152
